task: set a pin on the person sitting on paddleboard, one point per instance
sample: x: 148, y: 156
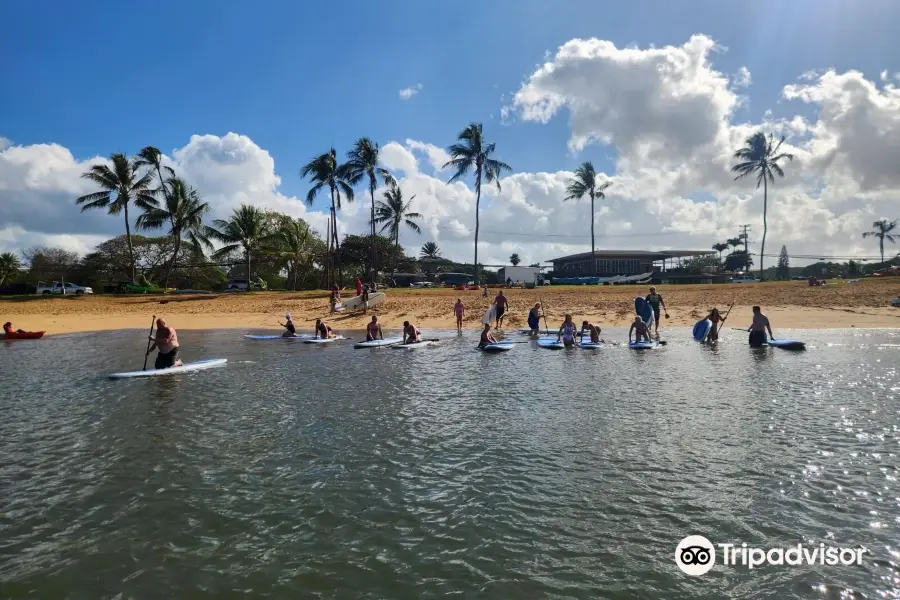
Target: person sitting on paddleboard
x: 7, y: 328
x: 460, y: 310
x: 640, y: 329
x: 166, y: 340
x: 716, y: 319
x: 486, y: 336
x: 289, y: 325
x: 758, y: 328
x: 411, y: 334
x: 534, y: 319
x: 567, y: 332
x: 323, y: 330
x: 656, y: 300
x: 502, y: 305
x: 373, y: 330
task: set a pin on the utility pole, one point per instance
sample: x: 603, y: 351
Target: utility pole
x: 745, y: 235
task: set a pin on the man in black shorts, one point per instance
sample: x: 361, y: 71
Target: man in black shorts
x: 656, y: 301
x: 502, y: 306
x: 166, y: 340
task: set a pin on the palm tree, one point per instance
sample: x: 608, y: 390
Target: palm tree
x: 9, y: 266
x: 760, y: 157
x: 882, y: 230
x: 735, y: 242
x: 392, y: 212
x: 245, y: 229
x: 291, y: 244
x: 430, y: 251
x: 584, y: 183
x: 183, y: 211
x: 514, y: 260
x: 120, y: 185
x: 363, y: 161
x: 473, y: 153
x: 720, y: 247
x: 325, y: 171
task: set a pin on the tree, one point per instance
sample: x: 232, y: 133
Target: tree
x: 735, y: 242
x: 783, y: 271
x: 356, y: 251
x: 738, y: 261
x: 363, y: 161
x: 183, y: 211
x: 720, y: 247
x: 430, y: 251
x: 882, y: 230
x: 474, y: 154
x: 9, y: 266
x: 760, y: 157
x: 584, y: 183
x: 325, y: 171
x: 393, y: 211
x: 853, y: 268
x: 48, y: 263
x: 295, y: 245
x: 245, y: 229
x: 120, y: 185
x: 514, y: 260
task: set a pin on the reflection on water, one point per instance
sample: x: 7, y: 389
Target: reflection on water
x: 303, y: 471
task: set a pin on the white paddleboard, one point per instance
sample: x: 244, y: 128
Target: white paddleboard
x: 323, y: 340
x: 412, y: 346
x: 551, y: 343
x: 787, y: 344
x: 490, y: 316
x: 185, y: 368
x: 356, y: 303
x: 388, y: 341
x: 260, y: 337
x: 498, y: 347
x: 642, y: 345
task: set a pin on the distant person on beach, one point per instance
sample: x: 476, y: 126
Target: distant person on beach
x: 289, y: 325
x: 323, y: 330
x: 502, y: 306
x: 373, y: 330
x: 567, y: 332
x: 166, y: 341
x: 758, y: 329
x: 486, y: 336
x: 335, y: 297
x: 641, y: 330
x: 411, y: 334
x: 717, y: 320
x: 359, y: 286
x: 534, y: 319
x: 484, y: 292
x: 459, y: 310
x: 656, y: 301
x: 365, y: 298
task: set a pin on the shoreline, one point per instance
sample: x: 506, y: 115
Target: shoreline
x: 789, y: 305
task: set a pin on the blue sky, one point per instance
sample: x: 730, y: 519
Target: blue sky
x: 295, y: 78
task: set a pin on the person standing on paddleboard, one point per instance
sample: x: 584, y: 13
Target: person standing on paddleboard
x: 460, y: 310
x: 289, y: 325
x: 567, y: 332
x: 641, y: 331
x: 758, y: 329
x: 717, y: 320
x: 411, y: 334
x: 373, y: 330
x: 486, y: 336
x: 534, y: 319
x: 656, y: 301
x: 502, y: 306
x: 166, y: 340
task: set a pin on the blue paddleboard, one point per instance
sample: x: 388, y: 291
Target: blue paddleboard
x: 591, y: 345
x: 642, y: 345
x: 643, y: 309
x: 550, y: 343
x: 498, y: 347
x: 787, y: 344
x: 701, y: 329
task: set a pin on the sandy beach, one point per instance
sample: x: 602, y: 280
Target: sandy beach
x: 788, y: 305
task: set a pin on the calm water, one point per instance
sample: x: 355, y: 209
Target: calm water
x: 327, y: 472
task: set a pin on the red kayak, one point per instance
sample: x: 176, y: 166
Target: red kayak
x: 25, y: 335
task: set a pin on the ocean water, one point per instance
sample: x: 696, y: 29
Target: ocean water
x: 300, y: 471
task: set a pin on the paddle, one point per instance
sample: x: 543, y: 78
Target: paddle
x: 149, y: 341
x: 544, y: 312
x: 739, y: 329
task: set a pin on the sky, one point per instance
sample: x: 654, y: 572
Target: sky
x: 239, y: 96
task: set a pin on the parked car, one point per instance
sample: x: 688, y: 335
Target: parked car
x: 58, y: 288
x: 243, y: 285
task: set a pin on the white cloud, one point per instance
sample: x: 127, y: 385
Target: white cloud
x: 409, y: 92
x: 742, y: 78
x: 437, y: 156
x: 5, y: 142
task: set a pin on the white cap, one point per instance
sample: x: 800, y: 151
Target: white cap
x: 287, y: 316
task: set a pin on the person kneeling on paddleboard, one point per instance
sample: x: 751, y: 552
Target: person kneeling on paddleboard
x: 289, y: 325
x: 166, y: 340
x: 486, y: 336
x: 716, y: 319
x: 640, y: 329
x: 593, y: 331
x: 758, y: 329
x: 411, y: 334
x: 534, y: 319
x: 323, y: 330
x: 567, y: 332
x: 373, y: 330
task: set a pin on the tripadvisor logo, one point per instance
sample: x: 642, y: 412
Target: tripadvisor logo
x: 695, y: 555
